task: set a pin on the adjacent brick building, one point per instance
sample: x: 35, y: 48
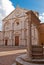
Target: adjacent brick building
x: 42, y: 33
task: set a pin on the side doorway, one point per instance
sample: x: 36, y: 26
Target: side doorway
x: 6, y: 41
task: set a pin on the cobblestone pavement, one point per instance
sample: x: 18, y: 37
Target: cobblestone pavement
x: 9, y: 54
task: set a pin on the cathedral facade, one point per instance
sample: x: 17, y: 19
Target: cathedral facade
x: 19, y: 26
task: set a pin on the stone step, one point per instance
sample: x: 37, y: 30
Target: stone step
x: 37, y: 49
x: 34, y: 52
x: 37, y: 57
x: 37, y: 53
x: 36, y: 46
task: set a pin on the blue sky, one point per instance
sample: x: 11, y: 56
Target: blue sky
x: 37, y: 5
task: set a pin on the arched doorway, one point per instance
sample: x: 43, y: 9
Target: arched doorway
x: 6, y: 42
x: 16, y: 40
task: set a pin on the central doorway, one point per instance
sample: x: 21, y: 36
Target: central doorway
x: 16, y: 40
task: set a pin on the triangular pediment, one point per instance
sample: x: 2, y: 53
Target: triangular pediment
x: 17, y: 12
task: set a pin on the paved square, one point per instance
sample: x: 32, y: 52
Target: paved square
x: 9, y: 54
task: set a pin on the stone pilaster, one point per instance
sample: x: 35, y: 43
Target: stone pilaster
x: 29, y: 47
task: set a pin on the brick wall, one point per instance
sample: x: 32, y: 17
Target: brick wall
x: 42, y: 33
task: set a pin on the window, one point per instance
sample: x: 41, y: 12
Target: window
x: 17, y: 23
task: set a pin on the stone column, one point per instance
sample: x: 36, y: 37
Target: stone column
x: 29, y: 47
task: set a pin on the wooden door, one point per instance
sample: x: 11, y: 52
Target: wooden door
x: 5, y: 42
x: 16, y: 40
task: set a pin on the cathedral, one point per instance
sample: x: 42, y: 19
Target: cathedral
x: 17, y: 27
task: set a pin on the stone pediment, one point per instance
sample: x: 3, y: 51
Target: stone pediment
x: 16, y: 13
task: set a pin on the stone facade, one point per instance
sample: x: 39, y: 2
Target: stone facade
x: 1, y: 37
x: 16, y: 28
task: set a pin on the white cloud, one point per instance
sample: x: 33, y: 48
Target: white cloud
x: 41, y: 17
x: 5, y: 8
